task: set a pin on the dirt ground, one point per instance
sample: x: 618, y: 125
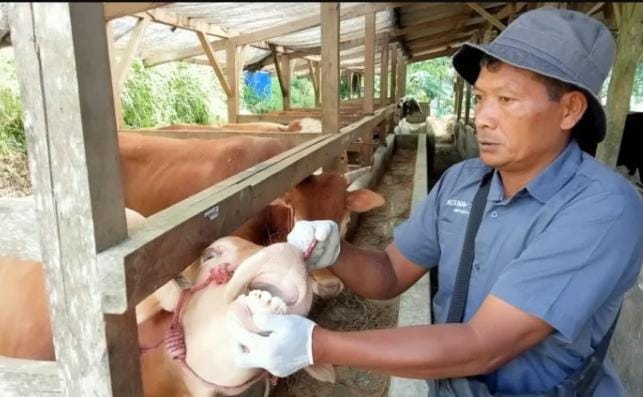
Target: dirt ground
x: 14, y: 175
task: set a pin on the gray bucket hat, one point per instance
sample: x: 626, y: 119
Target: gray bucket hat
x: 563, y: 44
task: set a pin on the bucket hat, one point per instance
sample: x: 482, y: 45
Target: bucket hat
x: 563, y: 44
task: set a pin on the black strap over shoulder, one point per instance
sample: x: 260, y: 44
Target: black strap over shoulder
x: 461, y: 287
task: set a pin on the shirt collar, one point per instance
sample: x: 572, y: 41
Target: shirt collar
x: 550, y: 179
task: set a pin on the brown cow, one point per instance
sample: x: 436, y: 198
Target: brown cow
x: 158, y: 172
x: 305, y: 124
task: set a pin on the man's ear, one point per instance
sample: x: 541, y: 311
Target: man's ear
x: 574, y: 105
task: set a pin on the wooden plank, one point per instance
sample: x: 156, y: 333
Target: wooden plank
x: 433, y: 55
x: 310, y: 22
x: 369, y: 61
x: 491, y: 18
x: 288, y: 138
x: 595, y: 7
x: 79, y: 201
x: 166, y: 17
x: 116, y: 92
x: 286, y: 72
x: 330, y: 14
x: 214, y: 63
x: 27, y: 378
x: 117, y: 10
x: 394, y: 74
x: 313, y: 79
x: 384, y: 71
x: 234, y: 59
x: 318, y: 80
x: 130, y: 52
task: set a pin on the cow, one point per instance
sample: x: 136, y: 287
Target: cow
x: 305, y: 124
x: 275, y: 276
x: 157, y: 172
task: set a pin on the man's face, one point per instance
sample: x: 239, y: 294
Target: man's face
x: 518, y: 127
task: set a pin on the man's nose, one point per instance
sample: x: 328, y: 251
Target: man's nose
x: 485, y: 115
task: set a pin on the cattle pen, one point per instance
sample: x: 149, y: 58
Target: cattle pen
x: 71, y: 75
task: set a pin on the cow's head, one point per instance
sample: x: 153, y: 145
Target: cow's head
x: 327, y: 196
x: 409, y: 106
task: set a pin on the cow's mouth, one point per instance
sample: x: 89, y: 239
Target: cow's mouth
x: 276, y: 285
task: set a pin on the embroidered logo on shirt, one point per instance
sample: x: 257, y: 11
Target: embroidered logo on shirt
x: 459, y: 206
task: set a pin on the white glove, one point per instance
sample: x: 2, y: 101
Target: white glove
x: 286, y: 349
x: 327, y: 235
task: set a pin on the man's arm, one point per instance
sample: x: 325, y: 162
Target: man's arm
x: 375, y: 274
x: 495, y: 335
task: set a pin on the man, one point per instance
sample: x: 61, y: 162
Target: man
x: 559, y: 244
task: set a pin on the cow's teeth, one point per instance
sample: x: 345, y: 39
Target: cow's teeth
x: 259, y: 301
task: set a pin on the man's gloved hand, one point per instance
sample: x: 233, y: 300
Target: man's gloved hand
x: 286, y: 349
x: 327, y: 235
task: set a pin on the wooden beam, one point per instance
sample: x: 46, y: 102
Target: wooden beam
x: 117, y: 10
x: 64, y: 76
x: 401, y: 83
x: 393, y: 72
x: 286, y: 74
x: 330, y: 14
x: 214, y: 63
x: 369, y: 62
x: 130, y: 52
x: 318, y: 79
x: 162, y: 240
x: 384, y: 71
x: 22, y: 378
x: 492, y: 19
x: 234, y: 62
x: 162, y: 15
x: 433, y: 55
x: 595, y: 7
x: 313, y: 78
x: 310, y: 22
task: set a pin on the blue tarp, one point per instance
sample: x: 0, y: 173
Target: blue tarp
x: 259, y: 82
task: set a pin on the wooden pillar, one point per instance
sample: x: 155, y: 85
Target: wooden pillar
x: 393, y: 73
x: 330, y: 72
x: 318, y: 78
x: 350, y: 84
x: 467, y: 103
x: 314, y: 79
x: 384, y: 70
x: 401, y: 82
x: 234, y: 63
x: 64, y: 76
x: 286, y: 72
x: 629, y: 47
x: 459, y: 85
x: 369, y: 62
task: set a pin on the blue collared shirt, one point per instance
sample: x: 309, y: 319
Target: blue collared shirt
x: 565, y: 248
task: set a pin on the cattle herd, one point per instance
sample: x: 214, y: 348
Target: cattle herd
x: 251, y: 270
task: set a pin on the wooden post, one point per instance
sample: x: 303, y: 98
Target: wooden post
x: 350, y: 84
x: 286, y: 75
x: 118, y: 104
x: 629, y: 47
x: 467, y: 103
x: 330, y: 67
x: 401, y: 82
x: 318, y: 78
x: 313, y: 78
x: 459, y: 86
x: 130, y: 52
x: 214, y: 63
x: 393, y: 73
x: 369, y: 62
x: 384, y: 70
x: 66, y: 89
x: 234, y: 62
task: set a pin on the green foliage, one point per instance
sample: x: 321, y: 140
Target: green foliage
x: 12, y: 132
x: 139, y: 99
x: 302, y: 93
x: 253, y: 103
x: 432, y: 81
x: 186, y: 100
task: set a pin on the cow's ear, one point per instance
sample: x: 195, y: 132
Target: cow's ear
x: 363, y: 200
x: 284, y: 200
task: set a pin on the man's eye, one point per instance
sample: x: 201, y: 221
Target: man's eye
x: 505, y: 99
x: 477, y: 98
